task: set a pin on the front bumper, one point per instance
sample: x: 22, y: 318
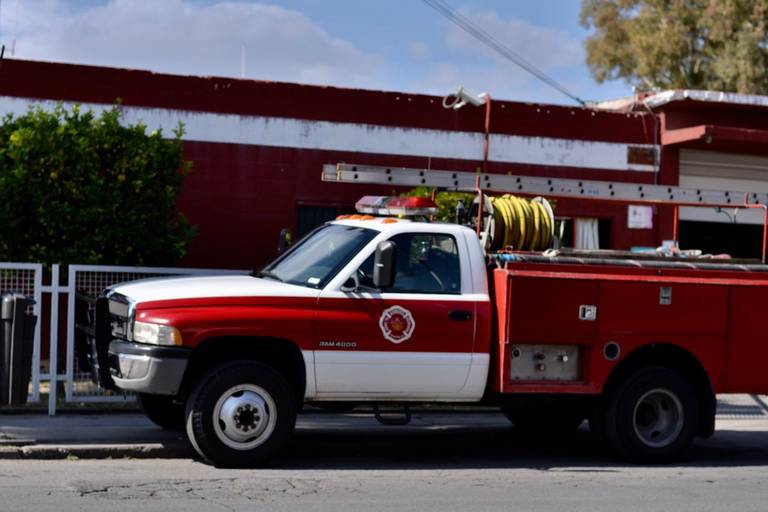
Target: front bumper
x: 146, y: 368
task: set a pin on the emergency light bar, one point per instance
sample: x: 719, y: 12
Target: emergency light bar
x: 388, y: 205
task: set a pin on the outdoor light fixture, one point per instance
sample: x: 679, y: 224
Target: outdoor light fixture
x: 462, y: 97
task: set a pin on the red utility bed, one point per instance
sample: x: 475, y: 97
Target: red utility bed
x: 716, y: 315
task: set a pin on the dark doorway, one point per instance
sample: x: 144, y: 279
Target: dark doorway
x: 738, y: 240
x: 308, y: 217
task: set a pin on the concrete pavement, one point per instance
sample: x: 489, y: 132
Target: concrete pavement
x: 38, y: 436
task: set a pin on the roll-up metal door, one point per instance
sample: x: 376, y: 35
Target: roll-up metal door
x: 723, y: 171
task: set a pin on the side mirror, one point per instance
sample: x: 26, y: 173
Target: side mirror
x: 384, y: 265
x: 285, y: 240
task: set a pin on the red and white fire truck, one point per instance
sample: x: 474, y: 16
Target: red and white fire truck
x: 383, y: 310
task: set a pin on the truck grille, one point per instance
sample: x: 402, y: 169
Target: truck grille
x: 99, y: 320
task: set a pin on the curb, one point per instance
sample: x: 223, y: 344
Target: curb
x: 66, y: 411
x: 95, y: 451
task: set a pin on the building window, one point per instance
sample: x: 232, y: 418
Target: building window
x: 586, y: 233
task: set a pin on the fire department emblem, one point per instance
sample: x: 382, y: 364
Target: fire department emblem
x: 397, y: 324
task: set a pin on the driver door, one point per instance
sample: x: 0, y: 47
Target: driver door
x: 414, y: 340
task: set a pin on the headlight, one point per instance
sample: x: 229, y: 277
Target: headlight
x: 156, y: 334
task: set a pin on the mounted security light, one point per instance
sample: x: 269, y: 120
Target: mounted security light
x: 463, y: 97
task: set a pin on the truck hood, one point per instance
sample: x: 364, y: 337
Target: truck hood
x: 160, y: 289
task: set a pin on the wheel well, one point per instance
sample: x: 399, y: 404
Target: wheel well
x: 678, y: 359
x: 281, y: 354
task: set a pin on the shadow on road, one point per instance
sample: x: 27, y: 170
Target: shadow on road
x: 494, y: 447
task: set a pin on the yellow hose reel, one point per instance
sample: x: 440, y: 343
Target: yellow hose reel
x: 517, y: 223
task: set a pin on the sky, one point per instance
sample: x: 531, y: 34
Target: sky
x: 399, y: 45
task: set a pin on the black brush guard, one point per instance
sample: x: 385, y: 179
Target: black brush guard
x: 93, y: 332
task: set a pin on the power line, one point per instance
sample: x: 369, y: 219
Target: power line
x: 490, y: 41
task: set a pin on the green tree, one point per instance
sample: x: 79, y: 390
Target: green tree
x: 693, y: 44
x: 76, y: 187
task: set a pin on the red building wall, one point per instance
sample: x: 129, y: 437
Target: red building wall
x: 244, y: 188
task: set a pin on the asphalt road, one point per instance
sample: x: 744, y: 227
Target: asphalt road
x: 473, y: 464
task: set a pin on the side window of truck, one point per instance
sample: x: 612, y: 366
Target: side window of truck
x: 424, y: 263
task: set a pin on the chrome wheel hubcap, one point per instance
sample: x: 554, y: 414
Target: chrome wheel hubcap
x: 658, y: 418
x: 244, y: 416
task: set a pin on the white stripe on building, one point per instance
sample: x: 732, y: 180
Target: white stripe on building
x: 366, y: 138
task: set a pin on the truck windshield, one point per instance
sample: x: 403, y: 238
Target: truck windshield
x: 319, y: 256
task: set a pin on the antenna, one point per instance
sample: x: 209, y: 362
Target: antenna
x: 15, y: 29
x: 242, y: 60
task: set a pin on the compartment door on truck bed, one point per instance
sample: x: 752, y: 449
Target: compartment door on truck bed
x: 545, y: 324
x: 415, y: 340
x: 747, y: 348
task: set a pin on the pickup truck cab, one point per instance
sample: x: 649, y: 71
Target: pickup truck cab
x: 384, y: 310
x: 242, y: 353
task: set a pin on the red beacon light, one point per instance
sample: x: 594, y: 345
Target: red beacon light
x: 387, y: 205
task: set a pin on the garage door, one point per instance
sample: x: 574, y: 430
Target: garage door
x: 722, y: 171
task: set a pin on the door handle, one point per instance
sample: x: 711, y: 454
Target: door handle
x: 460, y: 315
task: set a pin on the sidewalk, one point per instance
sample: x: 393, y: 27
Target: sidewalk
x: 38, y: 436
x: 129, y: 434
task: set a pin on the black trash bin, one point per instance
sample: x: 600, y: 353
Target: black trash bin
x: 18, y: 331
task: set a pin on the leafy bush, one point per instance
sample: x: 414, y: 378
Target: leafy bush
x: 76, y: 187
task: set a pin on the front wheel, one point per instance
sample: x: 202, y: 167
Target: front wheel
x: 240, y: 414
x: 652, y: 416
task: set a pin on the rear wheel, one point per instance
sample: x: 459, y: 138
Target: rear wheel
x: 163, y: 411
x: 652, y: 416
x: 240, y: 414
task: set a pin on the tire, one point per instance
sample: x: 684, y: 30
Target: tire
x: 596, y: 421
x: 545, y: 419
x: 240, y: 415
x: 652, y: 416
x: 163, y: 411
